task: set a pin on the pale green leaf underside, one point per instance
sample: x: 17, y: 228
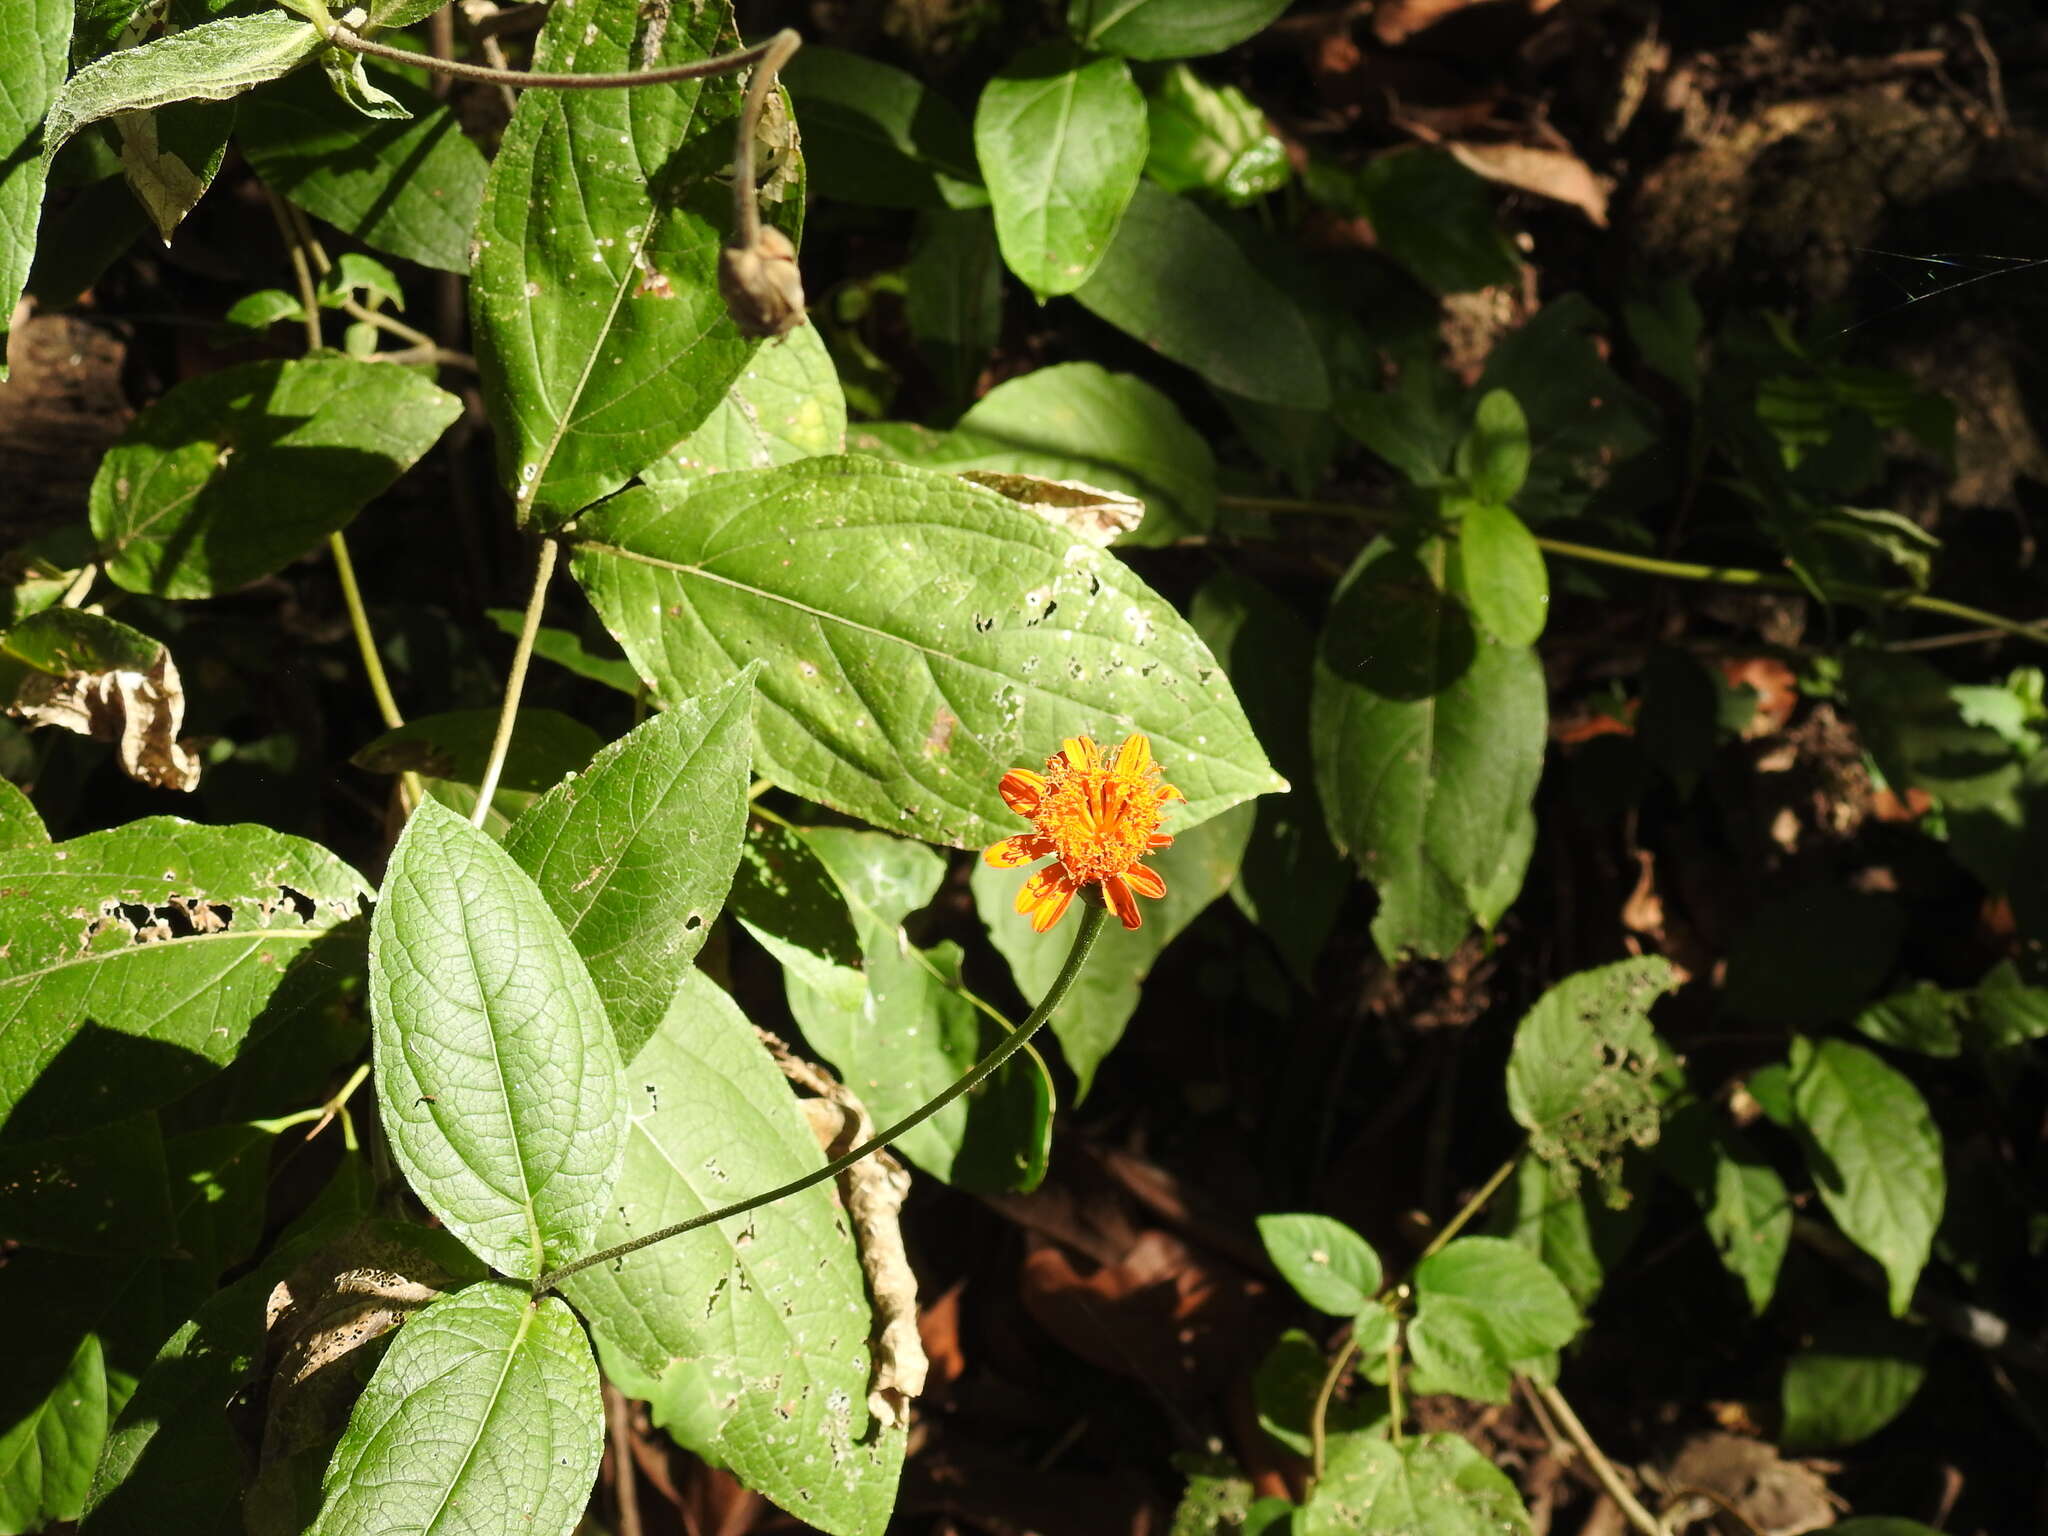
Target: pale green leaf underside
x: 920, y: 636
x: 173, y: 934
x: 635, y: 854
x: 750, y: 1337
x: 497, y: 1075
x: 483, y: 1417
x: 599, y: 330
x: 214, y: 62
x: 1879, y: 1163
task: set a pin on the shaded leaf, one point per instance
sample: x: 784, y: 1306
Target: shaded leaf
x: 1207, y: 138
x: 1500, y: 573
x: 1493, y: 455
x: 1855, y: 1377
x: 1771, y: 977
x: 47, y: 1458
x: 95, y: 676
x: 567, y: 650
x: 498, y: 1080
x: 104, y: 1191
x: 1060, y: 137
x: 1435, y: 218
x: 1168, y: 29
x: 1429, y: 1485
x: 1578, y: 1236
x: 451, y: 751
x: 953, y: 298
x: 233, y: 475
x: 34, y: 37
x: 635, y: 854
x: 786, y: 898
x: 749, y: 1339
x: 1290, y: 1379
x: 980, y: 636
x: 876, y: 134
x: 1748, y: 1210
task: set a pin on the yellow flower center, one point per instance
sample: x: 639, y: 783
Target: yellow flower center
x: 1101, y: 820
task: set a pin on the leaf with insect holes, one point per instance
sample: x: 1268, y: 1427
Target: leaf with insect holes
x: 600, y: 333
x: 134, y: 962
x: 748, y: 1339
x: 1430, y: 1485
x: 919, y: 637
x: 485, y: 1409
x: 635, y: 853
x: 498, y: 1080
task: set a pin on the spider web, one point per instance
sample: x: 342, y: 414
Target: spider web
x: 1920, y: 276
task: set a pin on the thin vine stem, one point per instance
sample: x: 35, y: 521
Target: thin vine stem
x: 746, y: 210
x: 1471, y: 1207
x: 1603, y: 1469
x: 530, y: 79
x: 366, y: 642
x: 515, y: 682
x: 1318, y: 1419
x: 1092, y: 919
x: 1682, y: 570
x: 302, y: 273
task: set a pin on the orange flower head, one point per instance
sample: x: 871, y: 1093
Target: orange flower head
x: 1096, y: 815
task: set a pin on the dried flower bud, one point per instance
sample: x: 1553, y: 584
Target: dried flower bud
x: 762, y: 288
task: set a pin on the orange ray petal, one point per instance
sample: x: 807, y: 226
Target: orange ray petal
x: 1146, y: 881
x: 1053, y: 881
x: 1081, y: 752
x: 1121, y: 901
x: 1167, y: 792
x: 1021, y: 790
x: 1024, y: 848
x: 1158, y: 840
x: 1135, y: 755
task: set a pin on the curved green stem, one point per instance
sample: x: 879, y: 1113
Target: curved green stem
x: 1682, y: 570
x: 515, y: 683
x: 1320, y: 1413
x: 1092, y: 919
x: 528, y: 79
x: 1471, y: 1207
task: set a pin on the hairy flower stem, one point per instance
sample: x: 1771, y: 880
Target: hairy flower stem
x: 529, y: 79
x: 1077, y: 957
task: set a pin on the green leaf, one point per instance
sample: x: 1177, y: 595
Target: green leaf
x: 355, y: 272
x: 565, y: 649
x: 409, y: 189
x: 1874, y: 1153
x: 214, y: 62
x: 748, y: 1339
x: 1580, y: 1076
x: 46, y: 1459
x: 170, y: 156
x: 34, y: 37
x: 1666, y: 327
x: 1578, y: 1236
x: 1428, y: 739
x: 135, y: 961
x: 1484, y: 1308
x: 1748, y: 1211
x: 1493, y: 455
x: 235, y: 474
x: 636, y: 853
x: 953, y: 298
x: 1500, y: 572
x: 1290, y: 1379
x: 486, y: 1403
x: 1429, y: 1485
x: 1180, y: 284
x: 103, y: 1191
x: 1331, y: 1266
x: 875, y: 134
x: 1197, y: 869
x: 1435, y: 218
x: 787, y: 405
x: 1168, y: 29
x: 498, y: 1080
x: 786, y: 898
x: 1855, y: 1377
x: 264, y: 308
x: 1771, y: 974
x: 1415, y: 426
x: 350, y: 82
x: 599, y: 330
x: 1207, y: 138
x: 1060, y: 137
x: 1882, y: 1525
x: 20, y: 826
x: 1292, y: 880
x: 219, y: 1178
x: 980, y: 636
x: 1923, y: 1018
x: 908, y: 1031
x: 451, y: 752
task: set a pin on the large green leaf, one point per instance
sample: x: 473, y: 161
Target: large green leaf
x: 599, y: 329
x: 876, y: 134
x: 34, y: 36
x: 1580, y: 1075
x: 1332, y: 1267
x: 214, y: 62
x: 135, y: 961
x: 231, y: 476
x: 1061, y: 139
x: 20, y: 825
x: 1485, y: 1307
x: 1177, y: 282
x: 498, y: 1078
x: 903, y: 1030
x: 410, y: 189
x: 1748, y: 1211
x: 1197, y: 869
x: 46, y: 1459
x: 484, y: 1416
x: 786, y: 405
x: 1577, y: 1235
x: 1430, y: 1485
x: 749, y: 1338
x: 920, y: 636
x: 1854, y: 1377
x: 1874, y: 1154
x: 1428, y: 738
x: 1168, y: 29
x: 636, y: 853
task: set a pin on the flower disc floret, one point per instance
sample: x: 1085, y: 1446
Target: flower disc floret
x: 1096, y: 816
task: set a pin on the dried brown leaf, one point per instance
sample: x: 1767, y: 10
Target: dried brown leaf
x: 1089, y: 513
x: 139, y: 711
x: 1551, y: 173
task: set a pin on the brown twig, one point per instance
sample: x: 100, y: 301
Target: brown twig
x: 618, y: 1423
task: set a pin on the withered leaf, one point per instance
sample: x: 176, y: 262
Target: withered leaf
x: 1088, y: 512
x: 86, y: 673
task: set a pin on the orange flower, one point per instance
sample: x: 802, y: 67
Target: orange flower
x: 1097, y: 816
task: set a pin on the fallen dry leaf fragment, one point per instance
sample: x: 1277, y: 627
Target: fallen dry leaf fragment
x: 1551, y: 173
x: 83, y: 672
x: 1089, y: 513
